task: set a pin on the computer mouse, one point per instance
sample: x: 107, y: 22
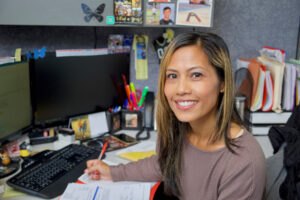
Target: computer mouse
x: 95, y: 144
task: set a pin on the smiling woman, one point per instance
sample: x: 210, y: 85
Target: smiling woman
x: 204, y: 151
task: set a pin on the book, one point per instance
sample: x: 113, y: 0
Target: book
x: 277, y: 71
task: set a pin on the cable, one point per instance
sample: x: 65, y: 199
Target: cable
x: 138, y: 135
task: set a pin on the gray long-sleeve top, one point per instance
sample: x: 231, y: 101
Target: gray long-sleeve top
x: 209, y: 175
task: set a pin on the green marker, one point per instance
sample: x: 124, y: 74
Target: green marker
x: 143, y: 96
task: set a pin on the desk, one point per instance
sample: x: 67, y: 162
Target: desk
x: 110, y: 156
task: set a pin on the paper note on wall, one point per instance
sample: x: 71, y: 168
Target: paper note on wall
x: 140, y: 44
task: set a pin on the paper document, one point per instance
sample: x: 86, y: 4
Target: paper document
x: 125, y: 191
x: 81, y: 52
x: 98, y: 124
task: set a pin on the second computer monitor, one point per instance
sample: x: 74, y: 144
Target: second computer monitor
x: 70, y: 86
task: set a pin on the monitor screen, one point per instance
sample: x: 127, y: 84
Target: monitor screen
x: 68, y: 86
x: 15, y: 102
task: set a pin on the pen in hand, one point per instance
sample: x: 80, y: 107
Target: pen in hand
x: 103, y: 150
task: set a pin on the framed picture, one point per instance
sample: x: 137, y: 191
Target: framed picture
x: 194, y: 13
x: 152, y: 14
x: 132, y: 120
x: 167, y: 14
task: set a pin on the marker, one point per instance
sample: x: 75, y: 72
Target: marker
x: 143, y: 96
x: 132, y: 95
x: 133, y: 89
x: 124, y: 79
x: 127, y: 89
x: 103, y: 150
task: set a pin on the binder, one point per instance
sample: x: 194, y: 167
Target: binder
x: 258, y: 96
x: 268, y: 93
x: 277, y: 70
x: 290, y: 82
x: 254, y: 69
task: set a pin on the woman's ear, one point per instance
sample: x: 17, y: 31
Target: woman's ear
x: 222, y: 87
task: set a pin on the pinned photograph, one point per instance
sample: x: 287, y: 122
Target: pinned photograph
x: 194, y: 13
x: 152, y: 14
x: 167, y: 14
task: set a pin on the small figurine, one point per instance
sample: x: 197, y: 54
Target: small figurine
x: 5, y: 159
x: 24, y: 152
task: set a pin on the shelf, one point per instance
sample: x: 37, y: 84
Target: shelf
x: 269, y: 117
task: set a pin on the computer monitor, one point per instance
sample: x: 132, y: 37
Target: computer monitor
x: 70, y: 86
x: 15, y: 100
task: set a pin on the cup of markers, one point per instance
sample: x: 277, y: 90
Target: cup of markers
x: 134, y: 100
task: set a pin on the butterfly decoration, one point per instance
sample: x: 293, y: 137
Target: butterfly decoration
x: 36, y: 53
x: 90, y: 14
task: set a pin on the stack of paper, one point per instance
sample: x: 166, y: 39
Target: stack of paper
x: 112, y: 191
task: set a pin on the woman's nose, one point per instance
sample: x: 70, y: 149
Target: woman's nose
x: 183, y: 86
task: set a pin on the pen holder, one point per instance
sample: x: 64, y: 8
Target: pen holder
x: 113, y: 121
x: 132, y: 120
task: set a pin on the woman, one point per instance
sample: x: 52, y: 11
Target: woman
x: 204, y: 152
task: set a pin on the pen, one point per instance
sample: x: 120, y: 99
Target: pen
x: 133, y: 100
x: 143, y: 96
x: 127, y: 89
x: 103, y: 150
x: 133, y: 89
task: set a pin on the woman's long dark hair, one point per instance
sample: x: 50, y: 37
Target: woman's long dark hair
x: 172, y: 132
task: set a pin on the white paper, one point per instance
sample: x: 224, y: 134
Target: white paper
x: 98, y: 124
x: 140, y: 147
x: 4, y: 60
x: 108, y: 191
x: 81, y: 52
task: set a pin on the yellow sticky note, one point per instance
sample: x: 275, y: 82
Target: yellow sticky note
x: 18, y: 55
x: 135, y: 156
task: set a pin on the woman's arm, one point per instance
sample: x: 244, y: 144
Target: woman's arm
x: 142, y: 170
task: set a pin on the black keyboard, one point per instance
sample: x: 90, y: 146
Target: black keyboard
x: 48, y: 173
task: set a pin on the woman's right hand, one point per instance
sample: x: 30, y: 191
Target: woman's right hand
x: 97, y: 169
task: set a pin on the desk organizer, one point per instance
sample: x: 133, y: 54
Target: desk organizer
x: 132, y: 120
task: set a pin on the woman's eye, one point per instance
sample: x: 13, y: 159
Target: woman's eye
x: 171, y: 76
x: 196, y: 75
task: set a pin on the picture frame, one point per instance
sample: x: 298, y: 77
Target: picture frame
x: 113, y: 121
x: 132, y: 120
x: 195, y: 13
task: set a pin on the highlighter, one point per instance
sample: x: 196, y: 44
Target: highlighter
x: 143, y: 96
x: 127, y: 89
x: 134, y: 100
x: 133, y: 89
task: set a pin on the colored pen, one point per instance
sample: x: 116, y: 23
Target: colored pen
x: 132, y: 95
x: 127, y: 89
x: 143, y: 96
x: 124, y: 79
x: 133, y: 89
x: 103, y: 150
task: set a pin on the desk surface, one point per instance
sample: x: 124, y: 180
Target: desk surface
x: 110, y: 156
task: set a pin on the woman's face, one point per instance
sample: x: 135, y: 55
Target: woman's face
x: 192, y: 86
